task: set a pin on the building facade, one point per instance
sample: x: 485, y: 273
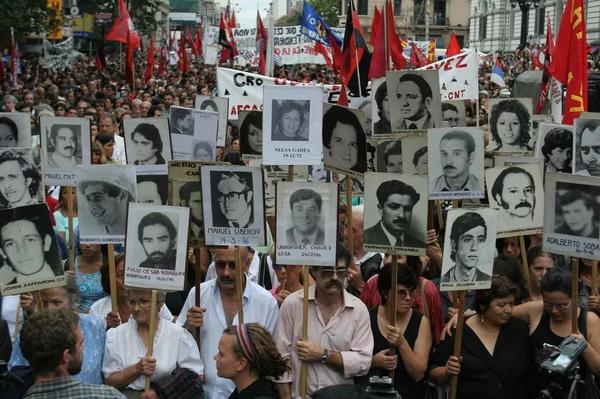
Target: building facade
x: 496, y: 26
x: 419, y: 19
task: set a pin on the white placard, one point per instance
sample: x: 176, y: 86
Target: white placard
x: 147, y: 144
x: 193, y: 133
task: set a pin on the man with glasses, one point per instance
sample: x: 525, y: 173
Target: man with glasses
x: 305, y: 205
x: 233, y: 198
x: 340, y: 342
x: 218, y: 310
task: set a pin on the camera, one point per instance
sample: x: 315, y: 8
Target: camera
x: 562, y: 363
x: 381, y: 387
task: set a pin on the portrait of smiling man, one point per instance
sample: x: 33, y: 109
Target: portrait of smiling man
x: 305, y: 207
x: 19, y: 180
x: 468, y: 236
x: 64, y: 141
x: 158, y: 236
x: 411, y: 102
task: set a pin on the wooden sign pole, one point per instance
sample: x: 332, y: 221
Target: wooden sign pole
x: 525, y: 266
x: 303, y: 369
x: 197, y: 271
x: 70, y: 221
x: 394, y: 301
x: 150, y: 343
x: 458, y: 339
x: 574, y: 294
x: 112, y: 277
x: 594, y: 285
x: 350, y: 232
x: 238, y: 285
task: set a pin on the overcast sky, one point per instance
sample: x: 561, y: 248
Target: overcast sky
x: 245, y: 10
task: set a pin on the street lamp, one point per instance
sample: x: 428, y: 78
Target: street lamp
x: 525, y: 6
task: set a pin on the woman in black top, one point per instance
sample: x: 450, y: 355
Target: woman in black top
x: 411, y: 336
x: 494, y: 357
x: 247, y: 355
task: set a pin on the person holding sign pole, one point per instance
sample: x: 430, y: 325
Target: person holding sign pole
x: 247, y: 355
x: 494, y: 357
x: 340, y: 341
x: 125, y: 362
x: 218, y: 310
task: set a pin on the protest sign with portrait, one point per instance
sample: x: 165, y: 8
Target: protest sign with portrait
x: 185, y: 190
x: 21, y: 181
x: 193, y: 134
x: 15, y: 129
x: 219, y: 105
x: 555, y: 147
x: 510, y: 125
x: 147, y: 144
x: 415, y: 156
x: 344, y: 140
x: 251, y: 134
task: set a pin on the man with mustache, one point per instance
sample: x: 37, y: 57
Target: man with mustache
x: 305, y: 206
x: 578, y: 211
x: 467, y: 239
x: 218, y: 311
x: 64, y: 139
x: 457, y: 150
x: 158, y: 237
x: 589, y: 148
x: 514, y: 192
x: 396, y: 200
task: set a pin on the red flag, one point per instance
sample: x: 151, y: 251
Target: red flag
x: 453, y: 46
x: 129, y: 65
x: 321, y: 49
x: 199, y: 42
x: 13, y: 63
x: 547, y: 54
x: 356, y: 56
x: 226, y: 40
x: 337, y: 58
x: 378, y: 63
x: 535, y: 60
x: 232, y: 20
x: 571, y: 68
x: 261, y: 44
x: 343, y: 98
x: 375, y: 28
x: 2, y: 71
x: 150, y: 62
x: 417, y: 58
x: 192, y: 43
x: 395, y: 46
x: 122, y: 29
x: 100, y: 58
x: 183, y: 57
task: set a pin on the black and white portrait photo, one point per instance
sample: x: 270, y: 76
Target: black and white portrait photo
x: 251, y: 134
x: 234, y: 215
x: 572, y: 217
x: 416, y: 159
x: 413, y: 105
x: 219, y: 105
x: 344, y: 140
x: 29, y: 254
x: 185, y: 190
x: 517, y: 192
x: 455, y: 163
x: 586, y: 147
x: 156, y: 239
x: 469, y: 249
x: 395, y: 217
x: 380, y: 109
x: 307, y: 221
x: 292, y: 125
x: 510, y: 124
x: 366, y: 108
x: 318, y: 174
x: 147, y: 144
x: 453, y: 113
x: 196, y: 136
x: 388, y: 156
x: 15, y: 129
x: 555, y: 147
x: 65, y: 145
x: 103, y: 195
x: 152, y: 189
x: 21, y: 181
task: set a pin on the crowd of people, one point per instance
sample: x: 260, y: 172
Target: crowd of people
x: 71, y: 343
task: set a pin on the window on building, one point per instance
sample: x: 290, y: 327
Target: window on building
x: 419, y: 12
x: 483, y: 27
x: 439, y: 12
x: 540, y: 19
x: 362, y: 7
x: 397, y: 7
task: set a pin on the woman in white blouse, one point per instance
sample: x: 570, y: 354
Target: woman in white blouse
x: 125, y: 362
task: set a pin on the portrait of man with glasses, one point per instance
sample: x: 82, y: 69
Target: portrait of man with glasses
x: 232, y: 199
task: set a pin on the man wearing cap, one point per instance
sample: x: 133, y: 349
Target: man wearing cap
x: 107, y: 196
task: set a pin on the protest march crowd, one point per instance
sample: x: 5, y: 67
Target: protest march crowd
x: 434, y: 248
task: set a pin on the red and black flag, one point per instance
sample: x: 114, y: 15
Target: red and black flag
x: 356, y: 55
x: 226, y: 40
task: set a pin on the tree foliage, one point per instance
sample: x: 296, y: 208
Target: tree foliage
x: 289, y: 20
x: 142, y: 13
x: 25, y: 17
x: 328, y: 10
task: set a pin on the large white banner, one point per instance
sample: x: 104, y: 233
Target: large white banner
x: 290, y: 46
x: 458, y: 76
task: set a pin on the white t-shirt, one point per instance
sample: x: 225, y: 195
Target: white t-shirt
x: 103, y: 306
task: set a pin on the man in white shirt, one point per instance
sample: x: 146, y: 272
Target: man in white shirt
x: 218, y: 310
x: 108, y: 124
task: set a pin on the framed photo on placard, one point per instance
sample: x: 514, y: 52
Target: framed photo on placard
x: 571, y: 220
x: 233, y: 205
x: 65, y: 145
x: 380, y: 109
x: 454, y: 114
x: 31, y: 260
x: 555, y: 147
x: 395, y: 215
x: 103, y: 195
x: 15, y: 129
x: 251, y: 134
x: 219, y: 105
x: 415, y: 157
x: 455, y: 163
x: 185, y: 190
x: 147, y: 144
x: 21, y: 181
x: 517, y: 192
x: 156, y: 246
x: 152, y: 189
x: 586, y: 154
x: 510, y: 125
x: 388, y: 156
x: 193, y: 134
x: 307, y: 220
x: 469, y: 249
x: 292, y: 125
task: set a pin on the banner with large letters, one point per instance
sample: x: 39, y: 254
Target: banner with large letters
x: 458, y: 76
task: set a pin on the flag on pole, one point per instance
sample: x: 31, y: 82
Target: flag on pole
x: 232, y: 20
x: 122, y: 29
x: 100, y: 57
x: 431, y: 51
x: 261, y: 44
x: 183, y: 57
x: 229, y: 50
x: 453, y: 46
x: 321, y: 49
x: 546, y: 56
x: 198, y: 42
x: 497, y: 75
x: 315, y: 27
x: 356, y: 56
x: 130, y: 64
x: 150, y: 61
x: 379, y: 64
x: 192, y: 43
x: 14, y: 60
x: 571, y: 68
x: 375, y: 28
x: 417, y: 58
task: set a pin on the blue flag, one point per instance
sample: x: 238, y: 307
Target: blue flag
x: 315, y: 27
